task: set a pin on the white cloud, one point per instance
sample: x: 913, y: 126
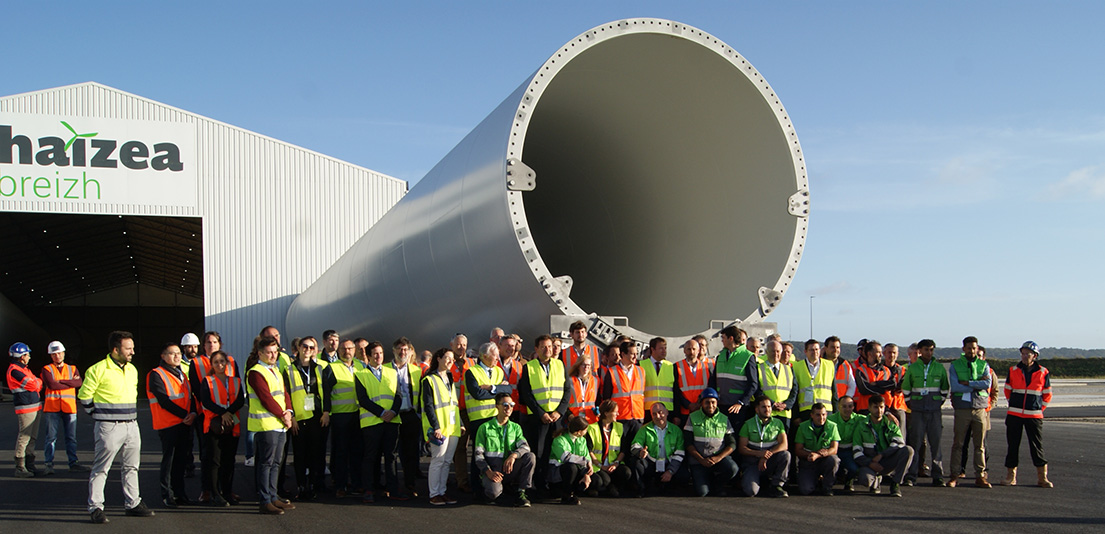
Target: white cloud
x: 1084, y: 183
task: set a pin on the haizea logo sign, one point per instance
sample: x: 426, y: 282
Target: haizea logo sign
x: 81, y: 159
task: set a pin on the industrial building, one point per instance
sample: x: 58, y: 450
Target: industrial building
x: 119, y: 212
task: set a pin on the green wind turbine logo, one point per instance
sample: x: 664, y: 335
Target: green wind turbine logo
x: 75, y: 134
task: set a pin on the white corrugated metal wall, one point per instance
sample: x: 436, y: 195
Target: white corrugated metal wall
x: 275, y: 216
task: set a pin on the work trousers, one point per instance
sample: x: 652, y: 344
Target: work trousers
x: 410, y: 446
x: 66, y: 423
x: 346, y: 451
x: 461, y: 458
x: 520, y: 475
x: 475, y: 477
x: 310, y: 453
x: 115, y: 438
x: 712, y: 479
x: 927, y: 426
x: 571, y: 479
x: 220, y: 452
x: 28, y: 433
x: 441, y: 459
x: 1034, y: 429
x: 380, y: 442
x: 618, y: 479
x: 848, y: 467
x: 823, y: 469
x: 176, y: 452
x: 267, y: 448
x: 540, y: 436
x: 895, y: 463
x: 777, y: 469
x: 644, y: 472
x: 920, y: 452
x: 970, y: 424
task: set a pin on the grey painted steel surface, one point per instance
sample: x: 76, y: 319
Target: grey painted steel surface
x: 275, y: 215
x: 645, y: 171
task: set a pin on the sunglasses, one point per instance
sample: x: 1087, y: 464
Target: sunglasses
x: 507, y: 405
x: 309, y: 347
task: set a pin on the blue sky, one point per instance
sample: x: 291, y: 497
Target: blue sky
x: 955, y: 149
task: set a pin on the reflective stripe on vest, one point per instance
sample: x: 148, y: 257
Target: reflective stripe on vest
x: 709, y: 432
x: 547, y: 390
x: 512, y: 377
x: 582, y: 401
x: 482, y: 409
x: 777, y: 388
x: 613, y: 445
x: 659, y: 387
x: 729, y: 368
x: 691, y: 383
x: 570, y: 355
x: 260, y: 418
x: 179, y: 392
x: 821, y: 385
x: 380, y: 391
x: 343, y: 398
x: 445, y: 407
x: 222, y: 396
x: 628, y: 392
x: 60, y: 400
x: 298, y: 390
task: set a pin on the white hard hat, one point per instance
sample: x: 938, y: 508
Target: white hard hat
x: 55, y: 347
x: 190, y: 339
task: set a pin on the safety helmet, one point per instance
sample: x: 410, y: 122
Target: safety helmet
x: 190, y: 339
x: 19, y: 349
x: 709, y: 393
x: 1032, y: 346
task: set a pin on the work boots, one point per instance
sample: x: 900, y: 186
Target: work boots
x: 21, y: 470
x: 1041, y: 477
x: 1010, y: 477
x: 982, y: 482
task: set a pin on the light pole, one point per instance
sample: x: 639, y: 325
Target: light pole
x: 811, y: 315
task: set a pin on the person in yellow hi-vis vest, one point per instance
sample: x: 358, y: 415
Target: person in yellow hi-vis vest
x: 270, y: 417
x: 378, y: 400
x: 110, y: 394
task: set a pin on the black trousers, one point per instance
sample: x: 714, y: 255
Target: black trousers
x: 540, y: 436
x: 176, y: 455
x: 603, y: 481
x: 474, y: 478
x: 571, y: 479
x: 380, y: 442
x: 346, y: 451
x: 218, y: 458
x: 310, y: 453
x: 410, y: 446
x: 1034, y: 429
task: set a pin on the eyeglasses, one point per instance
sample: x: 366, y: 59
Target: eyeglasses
x: 309, y: 347
x: 218, y: 362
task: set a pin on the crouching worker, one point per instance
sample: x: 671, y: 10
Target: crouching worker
x: 503, y: 455
x: 879, y: 449
x: 570, y: 461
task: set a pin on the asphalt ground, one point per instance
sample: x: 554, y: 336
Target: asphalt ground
x: 1072, y: 444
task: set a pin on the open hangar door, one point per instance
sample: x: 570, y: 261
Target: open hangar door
x: 79, y: 277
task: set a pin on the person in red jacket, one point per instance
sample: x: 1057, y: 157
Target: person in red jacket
x: 1028, y: 390
x: 26, y: 396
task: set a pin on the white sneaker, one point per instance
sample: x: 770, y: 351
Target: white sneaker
x: 249, y: 462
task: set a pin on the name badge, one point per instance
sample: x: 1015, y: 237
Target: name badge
x: 924, y: 391
x: 807, y: 394
x: 309, y: 403
x: 661, y: 465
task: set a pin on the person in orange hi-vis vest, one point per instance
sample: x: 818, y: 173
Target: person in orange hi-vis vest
x: 579, y: 347
x: 26, y: 397
x: 173, y: 410
x: 60, y: 407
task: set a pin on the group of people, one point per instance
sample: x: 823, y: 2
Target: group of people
x: 569, y: 420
